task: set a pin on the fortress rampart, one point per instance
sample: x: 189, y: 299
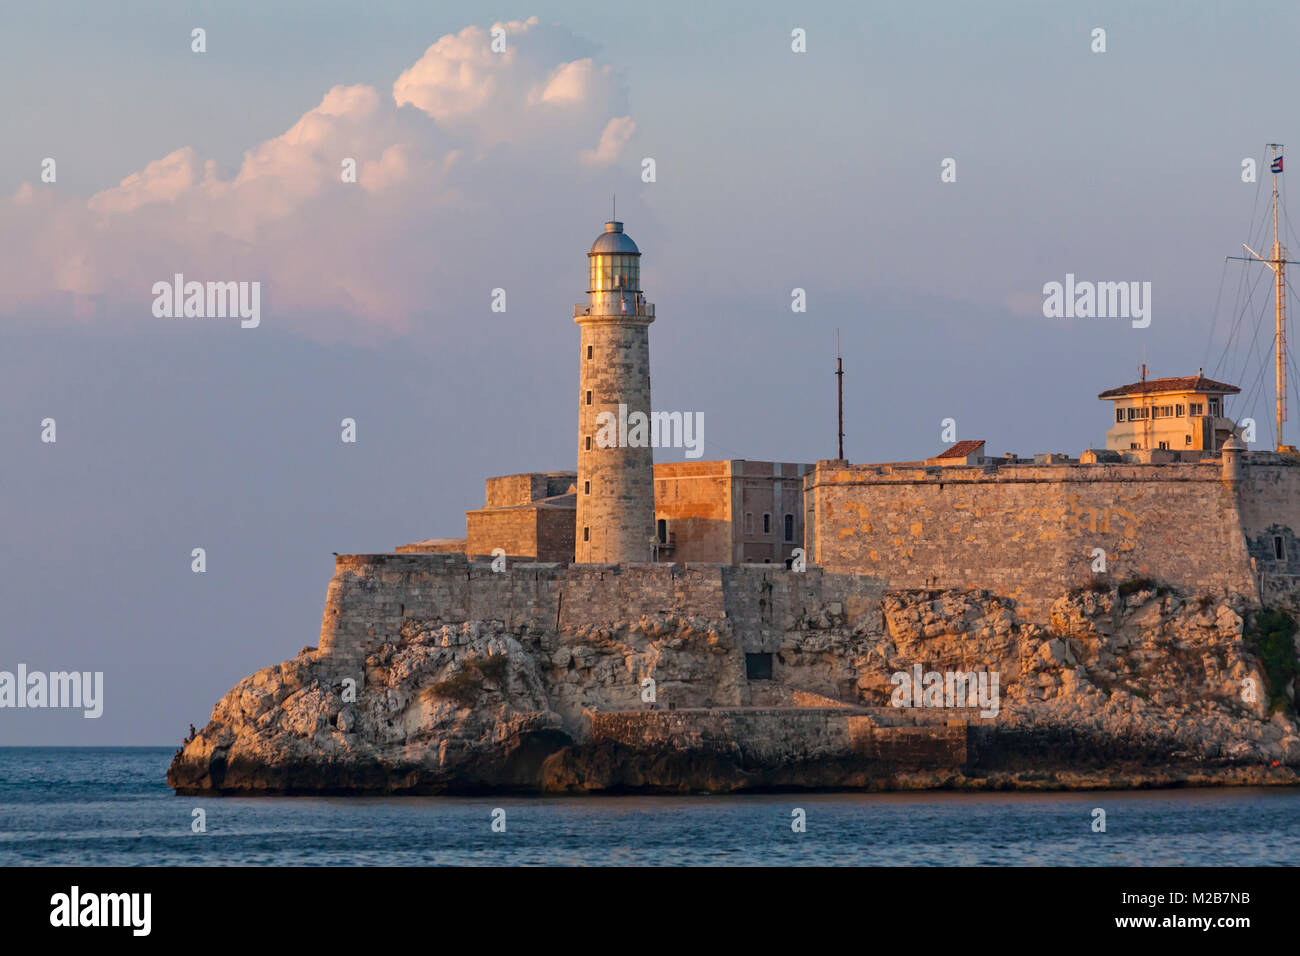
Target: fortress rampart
x: 1024, y: 532
x: 1029, y: 532
x: 371, y: 595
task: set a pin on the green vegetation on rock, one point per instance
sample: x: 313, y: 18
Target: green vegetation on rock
x: 1269, y: 635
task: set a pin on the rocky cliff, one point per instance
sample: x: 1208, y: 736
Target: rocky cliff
x: 1140, y: 688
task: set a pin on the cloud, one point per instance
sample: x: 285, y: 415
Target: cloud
x: 465, y: 129
x: 615, y: 136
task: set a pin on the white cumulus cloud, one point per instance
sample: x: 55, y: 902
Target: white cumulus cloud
x: 464, y: 129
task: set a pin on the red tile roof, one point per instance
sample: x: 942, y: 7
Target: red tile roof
x: 962, y: 449
x: 1185, y: 383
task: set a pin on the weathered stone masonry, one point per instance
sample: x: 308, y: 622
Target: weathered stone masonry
x: 371, y: 595
x: 1029, y: 532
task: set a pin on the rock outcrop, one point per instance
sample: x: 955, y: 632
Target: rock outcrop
x: 1136, y: 689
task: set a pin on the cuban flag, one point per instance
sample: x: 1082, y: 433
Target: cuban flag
x: 1277, y: 164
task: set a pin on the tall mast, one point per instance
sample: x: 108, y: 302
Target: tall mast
x: 1278, y: 263
x: 1279, y: 273
x: 839, y: 377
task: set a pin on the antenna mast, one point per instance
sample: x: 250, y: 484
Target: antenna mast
x: 1279, y: 273
x: 839, y: 385
x: 1278, y: 264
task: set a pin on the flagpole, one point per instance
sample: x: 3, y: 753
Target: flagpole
x: 1279, y: 271
x: 1278, y: 263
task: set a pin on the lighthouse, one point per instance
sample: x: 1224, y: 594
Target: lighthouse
x: 615, y: 519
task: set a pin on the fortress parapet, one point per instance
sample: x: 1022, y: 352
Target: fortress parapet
x: 371, y: 596
x: 1213, y: 526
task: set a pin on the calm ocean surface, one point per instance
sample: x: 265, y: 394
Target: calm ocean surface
x: 110, y: 806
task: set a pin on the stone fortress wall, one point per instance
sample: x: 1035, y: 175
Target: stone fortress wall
x: 1023, y: 532
x: 372, y: 595
x: 1029, y: 532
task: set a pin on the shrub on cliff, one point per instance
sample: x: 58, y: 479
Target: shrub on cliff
x: 464, y: 688
x: 1094, y: 585
x: 492, y: 668
x: 1270, y: 636
x: 1134, y: 585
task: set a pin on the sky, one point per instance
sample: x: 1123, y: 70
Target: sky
x: 775, y: 170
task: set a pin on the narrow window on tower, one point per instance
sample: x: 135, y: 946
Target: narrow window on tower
x: 588, y: 352
x: 1279, y: 551
x: 662, y: 528
x: 586, y: 534
x: 589, y: 398
x: 588, y: 443
x: 767, y: 523
x: 789, y: 527
x: 586, y: 487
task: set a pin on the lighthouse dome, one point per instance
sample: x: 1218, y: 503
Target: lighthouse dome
x: 614, y: 242
x: 614, y: 263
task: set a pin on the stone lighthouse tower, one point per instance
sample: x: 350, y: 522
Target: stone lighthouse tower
x: 616, y: 507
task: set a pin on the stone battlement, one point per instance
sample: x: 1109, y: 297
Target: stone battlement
x: 372, y: 595
x: 1218, y: 526
x: 1204, y: 471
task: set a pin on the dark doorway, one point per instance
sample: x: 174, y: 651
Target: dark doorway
x: 758, y: 666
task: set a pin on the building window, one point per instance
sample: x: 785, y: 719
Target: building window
x: 758, y: 666
x: 789, y: 527
x: 1196, y: 408
x: 749, y: 522
x: 1187, y: 439
x: 588, y: 397
x: 1133, y: 446
x: 588, y: 353
x: 767, y: 523
x: 1119, y: 414
x: 1214, y: 406
x: 588, y: 443
x: 586, y: 487
x: 586, y: 534
x: 1279, y: 551
x: 662, y: 530
x: 1178, y: 411
x: 1164, y: 445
